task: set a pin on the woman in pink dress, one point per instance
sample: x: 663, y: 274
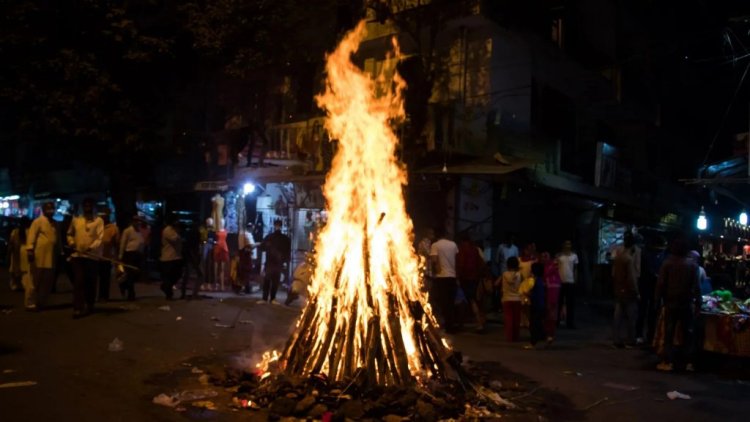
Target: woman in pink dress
x: 552, y: 279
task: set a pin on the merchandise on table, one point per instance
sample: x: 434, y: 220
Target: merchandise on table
x: 722, y: 302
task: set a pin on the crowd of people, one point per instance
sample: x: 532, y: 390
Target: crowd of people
x: 658, y: 291
x: 537, y: 290
x: 532, y: 289
x: 91, y: 249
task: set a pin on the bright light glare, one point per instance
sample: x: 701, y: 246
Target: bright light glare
x: 702, y: 223
x: 743, y: 219
x: 248, y: 188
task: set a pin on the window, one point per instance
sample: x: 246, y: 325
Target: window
x: 557, y: 32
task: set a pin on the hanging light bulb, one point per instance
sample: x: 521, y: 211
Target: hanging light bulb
x: 702, y: 223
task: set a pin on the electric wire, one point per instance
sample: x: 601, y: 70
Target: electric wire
x: 724, y: 117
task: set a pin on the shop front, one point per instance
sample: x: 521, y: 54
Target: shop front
x: 242, y: 211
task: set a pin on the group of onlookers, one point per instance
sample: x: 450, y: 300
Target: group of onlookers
x: 537, y: 290
x: 94, y: 249
x: 89, y: 244
x: 532, y: 289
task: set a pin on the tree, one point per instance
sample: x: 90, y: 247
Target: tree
x: 88, y: 82
x: 263, y: 44
x: 421, y: 24
x: 100, y: 82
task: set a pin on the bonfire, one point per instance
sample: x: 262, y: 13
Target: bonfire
x: 367, y: 317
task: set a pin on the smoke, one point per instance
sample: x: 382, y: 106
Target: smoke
x: 269, y: 327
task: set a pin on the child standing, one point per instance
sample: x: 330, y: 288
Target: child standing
x: 511, y: 298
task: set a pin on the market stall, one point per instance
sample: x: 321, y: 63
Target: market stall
x: 726, y: 324
x: 723, y: 326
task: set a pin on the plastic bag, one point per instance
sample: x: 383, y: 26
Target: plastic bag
x: 116, y: 346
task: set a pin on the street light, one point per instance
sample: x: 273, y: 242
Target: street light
x: 248, y: 188
x: 743, y: 218
x: 702, y: 223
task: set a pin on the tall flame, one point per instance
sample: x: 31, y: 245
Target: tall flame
x: 366, y: 309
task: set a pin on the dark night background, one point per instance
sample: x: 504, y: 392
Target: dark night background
x: 145, y: 89
x: 544, y: 120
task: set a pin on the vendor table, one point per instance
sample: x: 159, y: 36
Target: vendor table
x: 727, y: 334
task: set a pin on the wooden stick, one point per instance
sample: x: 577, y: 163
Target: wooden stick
x: 320, y: 359
x: 349, y: 363
x: 373, y: 344
x: 336, y: 355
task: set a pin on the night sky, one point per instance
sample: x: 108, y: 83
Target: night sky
x: 114, y: 73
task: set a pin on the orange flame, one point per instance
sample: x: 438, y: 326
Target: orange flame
x: 367, y: 279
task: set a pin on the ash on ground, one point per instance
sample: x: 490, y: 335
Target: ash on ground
x: 281, y: 397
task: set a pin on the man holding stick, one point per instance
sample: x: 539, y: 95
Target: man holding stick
x: 85, y: 238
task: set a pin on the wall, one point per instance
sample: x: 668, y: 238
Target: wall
x: 475, y: 210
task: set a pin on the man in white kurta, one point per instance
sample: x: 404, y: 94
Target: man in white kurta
x: 41, y: 246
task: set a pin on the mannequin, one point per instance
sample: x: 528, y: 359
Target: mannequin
x: 221, y: 257
x: 217, y: 211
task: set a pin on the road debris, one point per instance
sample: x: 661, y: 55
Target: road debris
x: 192, y: 395
x: 205, y: 404
x: 18, y: 384
x: 116, y: 346
x: 622, y: 387
x: 130, y: 307
x: 673, y: 395
x: 596, y: 403
x: 165, y: 400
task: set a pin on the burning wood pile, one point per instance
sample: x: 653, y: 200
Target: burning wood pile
x: 367, y: 330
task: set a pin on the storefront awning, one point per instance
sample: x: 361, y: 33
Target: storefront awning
x: 294, y: 173
x: 480, y: 166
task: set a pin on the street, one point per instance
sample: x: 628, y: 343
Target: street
x: 165, y: 351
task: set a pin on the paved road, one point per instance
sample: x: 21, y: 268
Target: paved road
x: 79, y: 379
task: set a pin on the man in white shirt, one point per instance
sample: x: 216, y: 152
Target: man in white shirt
x: 85, y: 236
x: 132, y: 244
x: 567, y: 262
x: 443, y: 259
x: 506, y: 250
x: 41, y: 246
x: 171, y: 257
